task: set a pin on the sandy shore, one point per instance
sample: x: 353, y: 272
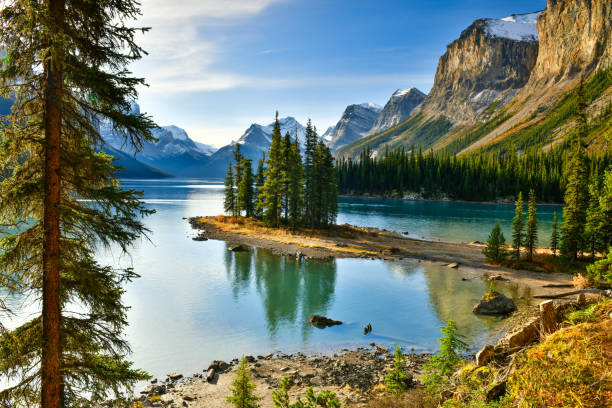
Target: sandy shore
x: 347, y: 241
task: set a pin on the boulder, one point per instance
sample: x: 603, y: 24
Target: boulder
x: 238, y: 248
x: 494, y: 305
x: 219, y: 366
x: 175, y: 376
x: 485, y: 355
x: 154, y: 390
x: 322, y: 321
x: 523, y: 336
x: 498, y: 278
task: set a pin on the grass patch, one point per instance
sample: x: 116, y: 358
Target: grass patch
x: 476, y: 133
x: 571, y: 368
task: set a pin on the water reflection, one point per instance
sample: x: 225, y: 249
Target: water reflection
x: 290, y: 291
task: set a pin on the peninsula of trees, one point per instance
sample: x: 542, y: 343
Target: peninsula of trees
x: 287, y: 189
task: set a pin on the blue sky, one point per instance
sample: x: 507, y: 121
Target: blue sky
x: 216, y: 66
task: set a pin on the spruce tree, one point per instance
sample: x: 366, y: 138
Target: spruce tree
x: 396, y: 380
x: 245, y: 193
x: 576, y: 191
x: 285, y: 173
x: 592, y: 231
x: 243, y: 389
x: 272, y: 189
x: 296, y: 183
x: 554, y: 236
x: 605, y: 207
x: 238, y: 172
x: 518, y: 225
x: 229, y: 202
x: 531, y: 237
x: 259, y: 183
x: 65, y: 69
x: 310, y: 179
x: 494, y: 251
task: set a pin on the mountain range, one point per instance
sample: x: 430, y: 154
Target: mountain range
x: 504, y: 83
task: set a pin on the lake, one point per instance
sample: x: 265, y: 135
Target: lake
x: 197, y: 301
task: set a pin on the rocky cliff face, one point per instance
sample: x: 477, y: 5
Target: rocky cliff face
x: 355, y: 122
x: 575, y: 40
x: 399, y: 107
x: 489, y: 63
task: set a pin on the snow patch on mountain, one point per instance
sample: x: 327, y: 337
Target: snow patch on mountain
x: 517, y: 27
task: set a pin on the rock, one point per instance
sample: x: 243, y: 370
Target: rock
x: 524, y: 335
x: 154, y: 389
x: 200, y: 237
x: 189, y: 397
x: 250, y: 359
x: 238, y: 248
x: 499, y: 304
x: 453, y: 265
x: 367, y: 329
x: 175, y: 376
x: 219, y: 366
x: 497, y: 278
x: 322, y: 321
x: 210, y: 374
x: 485, y: 355
x: 496, y: 391
x: 381, y: 350
x: 154, y: 381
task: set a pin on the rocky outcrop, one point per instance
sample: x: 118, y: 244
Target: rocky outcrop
x: 495, y: 304
x: 575, y: 40
x: 355, y: 122
x: 489, y: 63
x: 398, y: 108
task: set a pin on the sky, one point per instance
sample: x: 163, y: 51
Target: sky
x: 216, y: 66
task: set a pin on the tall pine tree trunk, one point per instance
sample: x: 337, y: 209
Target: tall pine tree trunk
x: 52, y: 379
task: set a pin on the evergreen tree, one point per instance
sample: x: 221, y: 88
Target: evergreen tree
x: 531, y: 237
x: 272, y: 189
x: 554, y: 236
x: 310, y: 179
x: 245, y: 189
x: 285, y: 173
x: 238, y: 174
x: 518, y: 225
x: 605, y: 207
x: 576, y: 191
x: 229, y: 203
x: 494, y: 251
x: 259, y: 183
x: 64, y: 68
x: 296, y: 182
x: 243, y: 389
x: 594, y: 221
x: 396, y: 380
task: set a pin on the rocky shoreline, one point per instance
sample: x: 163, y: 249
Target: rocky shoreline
x: 356, y: 376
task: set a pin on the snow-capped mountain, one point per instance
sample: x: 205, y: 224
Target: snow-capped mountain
x: 174, y: 152
x: 254, y: 142
x: 398, y: 108
x: 517, y: 27
x: 355, y: 122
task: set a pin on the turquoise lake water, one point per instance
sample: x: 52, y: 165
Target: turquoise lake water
x: 197, y: 301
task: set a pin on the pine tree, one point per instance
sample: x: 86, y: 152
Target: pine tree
x: 238, y: 173
x: 259, y: 183
x: 285, y: 173
x: 518, y: 225
x: 576, y: 190
x: 594, y: 221
x: 296, y: 181
x: 310, y: 179
x: 605, y: 206
x: 245, y: 189
x: 531, y: 237
x: 243, y: 389
x: 494, y: 251
x: 396, y: 380
x: 64, y: 68
x: 229, y: 203
x: 272, y: 189
x: 554, y: 236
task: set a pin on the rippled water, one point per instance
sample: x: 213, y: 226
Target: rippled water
x: 197, y: 301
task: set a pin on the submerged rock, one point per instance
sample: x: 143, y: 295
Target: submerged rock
x: 238, y: 248
x: 453, y: 265
x: 495, y: 304
x: 322, y: 321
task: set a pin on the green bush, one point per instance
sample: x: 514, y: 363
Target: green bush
x: 601, y: 269
x: 324, y: 399
x: 494, y: 251
x: 396, y: 380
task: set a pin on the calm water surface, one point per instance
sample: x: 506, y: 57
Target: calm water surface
x: 197, y: 301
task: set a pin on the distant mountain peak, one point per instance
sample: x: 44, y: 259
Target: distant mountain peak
x: 371, y: 105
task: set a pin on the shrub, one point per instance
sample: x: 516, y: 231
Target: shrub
x: 396, y: 380
x: 494, y: 251
x: 601, y: 269
x: 440, y: 366
x: 243, y: 395
x: 323, y: 399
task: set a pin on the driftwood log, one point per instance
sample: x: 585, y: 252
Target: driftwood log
x: 606, y: 292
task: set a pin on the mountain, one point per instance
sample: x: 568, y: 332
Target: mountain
x: 511, y: 83
x: 174, y: 152
x: 398, y: 108
x: 254, y: 142
x: 133, y: 168
x: 355, y: 122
